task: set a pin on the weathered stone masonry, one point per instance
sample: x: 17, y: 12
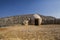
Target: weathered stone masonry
x: 22, y: 19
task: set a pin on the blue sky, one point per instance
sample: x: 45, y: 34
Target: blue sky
x: 18, y: 7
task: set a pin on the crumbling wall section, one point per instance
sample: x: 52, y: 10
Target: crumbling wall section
x: 10, y: 21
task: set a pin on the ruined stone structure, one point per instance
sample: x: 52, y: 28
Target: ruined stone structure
x: 29, y: 19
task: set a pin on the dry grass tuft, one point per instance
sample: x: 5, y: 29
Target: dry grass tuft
x: 42, y: 32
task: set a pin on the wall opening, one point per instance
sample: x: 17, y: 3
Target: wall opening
x: 36, y: 21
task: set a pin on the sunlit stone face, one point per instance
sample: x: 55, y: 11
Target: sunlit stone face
x: 36, y: 16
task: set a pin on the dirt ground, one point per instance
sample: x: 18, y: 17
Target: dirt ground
x: 31, y: 32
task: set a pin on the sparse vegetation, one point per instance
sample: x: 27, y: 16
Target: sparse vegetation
x: 42, y: 32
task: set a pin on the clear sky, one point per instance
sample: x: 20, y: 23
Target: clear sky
x: 18, y: 7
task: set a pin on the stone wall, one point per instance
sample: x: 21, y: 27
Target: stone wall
x: 13, y: 20
x: 10, y: 20
x: 57, y: 21
x: 21, y: 18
